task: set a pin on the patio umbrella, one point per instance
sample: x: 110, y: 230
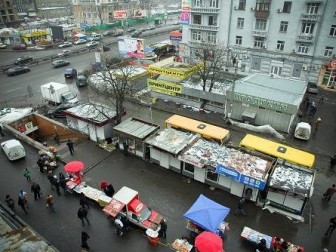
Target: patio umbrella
x: 208, y: 242
x: 74, y: 166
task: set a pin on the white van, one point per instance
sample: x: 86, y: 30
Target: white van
x: 302, y: 131
x: 13, y: 149
x: 95, y: 37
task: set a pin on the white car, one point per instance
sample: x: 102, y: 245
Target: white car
x: 80, y: 41
x: 92, y: 44
x: 64, y: 53
x: 302, y: 131
x: 65, y: 44
x: 13, y: 149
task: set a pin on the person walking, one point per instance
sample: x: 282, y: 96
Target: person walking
x: 85, y: 238
x: 36, y: 189
x: 163, y: 229
x: 240, y: 208
x: 332, y: 226
x: 71, y: 147
x: 332, y: 161
x: 27, y: 174
x: 40, y: 164
x: 51, y: 180
x: 56, y: 183
x: 51, y: 203
x: 10, y: 202
x: 317, y: 123
x: 62, y: 182
x: 83, y: 200
x: 329, y: 192
x: 82, y: 214
x: 22, y: 204
x: 24, y: 196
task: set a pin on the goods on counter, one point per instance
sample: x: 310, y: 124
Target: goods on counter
x: 181, y: 245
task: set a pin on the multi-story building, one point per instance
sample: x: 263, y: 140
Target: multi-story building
x: 8, y: 13
x: 285, y: 38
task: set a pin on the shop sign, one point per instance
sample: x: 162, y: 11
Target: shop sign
x: 164, y: 86
x: 285, y: 208
x: 171, y: 72
x: 332, y: 65
x: 257, y: 101
x: 120, y: 14
x: 241, y: 178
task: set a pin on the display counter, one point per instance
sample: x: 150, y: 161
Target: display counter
x: 223, y: 226
x: 181, y: 245
x: 255, y: 236
x: 277, y: 247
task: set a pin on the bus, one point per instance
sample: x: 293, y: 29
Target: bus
x: 206, y: 130
x: 278, y: 150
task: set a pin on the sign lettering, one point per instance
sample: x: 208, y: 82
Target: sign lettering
x: 165, y: 86
x: 256, y: 101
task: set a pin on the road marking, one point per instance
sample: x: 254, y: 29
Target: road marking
x: 11, y: 90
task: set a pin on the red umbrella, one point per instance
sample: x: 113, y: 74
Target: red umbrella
x: 74, y: 166
x: 208, y: 242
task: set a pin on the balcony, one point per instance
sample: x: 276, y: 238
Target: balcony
x: 310, y: 17
x: 305, y: 38
x: 259, y: 33
x: 204, y: 27
x: 205, y: 10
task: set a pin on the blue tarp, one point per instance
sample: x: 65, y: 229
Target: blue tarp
x: 207, y: 213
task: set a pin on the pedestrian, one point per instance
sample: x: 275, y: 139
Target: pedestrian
x: 83, y: 200
x: 261, y: 246
x: 333, y: 161
x: 27, y: 174
x: 332, y: 226
x: 321, y: 101
x: 57, y: 139
x: 85, y: 238
x: 109, y: 190
x: 240, y: 208
x: 36, y: 189
x: 82, y: 214
x: 51, y: 179
x: 10, y: 202
x: 62, y: 182
x: 56, y: 183
x: 119, y: 225
x: 40, y: 164
x: 1, y: 130
x: 22, y: 204
x: 70, y: 146
x: 330, y: 192
x: 317, y: 123
x: 51, y: 203
x: 306, y: 103
x: 163, y: 229
x: 24, y: 197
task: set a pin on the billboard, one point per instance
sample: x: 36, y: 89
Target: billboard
x: 131, y: 47
x: 185, y: 14
x: 120, y: 14
x: 139, y: 13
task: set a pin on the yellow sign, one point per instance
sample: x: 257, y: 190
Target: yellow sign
x: 35, y: 34
x: 171, y: 71
x: 164, y: 87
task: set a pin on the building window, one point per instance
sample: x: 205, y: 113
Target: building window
x: 263, y: 5
x: 197, y: 3
x: 312, y: 8
x: 303, y: 49
x: 333, y: 31
x: 213, y: 3
x: 283, y: 26
x: 189, y: 168
x: 259, y: 42
x: 307, y: 28
x: 212, y: 176
x: 240, y: 23
x: 280, y: 45
x: 239, y: 40
x: 328, y: 52
x: 212, y: 38
x: 197, y: 19
x: 242, y: 5
x: 197, y: 35
x: 276, y: 70
x: 287, y: 7
x: 212, y: 20
x: 260, y: 24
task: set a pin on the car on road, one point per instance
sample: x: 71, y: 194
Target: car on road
x: 81, y: 80
x: 70, y: 73
x: 13, y: 149
x: 132, y: 29
x: 19, y: 47
x: 60, y: 63
x: 107, y: 33
x: 151, y: 27
x: 23, y: 60
x: 118, y: 32
x: 65, y: 44
x: 136, y: 33
x: 64, y: 53
x: 17, y: 70
x: 92, y: 44
x: 312, y: 88
x: 3, y: 46
x: 80, y: 41
x: 58, y: 111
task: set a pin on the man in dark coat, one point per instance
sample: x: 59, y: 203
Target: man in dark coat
x: 332, y: 226
x: 83, y: 200
x: 85, y: 237
x: 163, y: 229
x: 82, y: 214
x: 36, y: 189
x: 70, y: 146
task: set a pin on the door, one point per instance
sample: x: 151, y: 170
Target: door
x: 297, y: 70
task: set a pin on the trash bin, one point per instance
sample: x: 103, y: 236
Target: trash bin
x: 153, y: 237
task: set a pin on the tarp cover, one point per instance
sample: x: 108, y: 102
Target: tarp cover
x: 207, y: 213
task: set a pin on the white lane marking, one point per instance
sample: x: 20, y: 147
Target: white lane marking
x: 11, y: 90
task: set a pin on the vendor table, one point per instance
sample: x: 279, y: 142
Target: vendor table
x: 181, y: 245
x: 71, y: 184
x: 223, y: 226
x: 255, y: 236
x: 291, y: 247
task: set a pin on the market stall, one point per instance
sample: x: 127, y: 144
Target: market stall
x: 93, y: 194
x: 74, y: 170
x: 289, y: 189
x: 208, y: 242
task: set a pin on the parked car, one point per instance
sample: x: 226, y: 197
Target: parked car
x: 65, y: 44
x: 118, y: 32
x: 13, y: 149
x: 19, y: 47
x: 136, y: 33
x: 60, y: 63
x: 64, y: 53
x: 70, y: 73
x: 151, y: 27
x: 80, y: 41
x: 81, y: 80
x: 95, y: 37
x: 3, y: 46
x: 58, y: 111
x: 107, y: 33
x: 132, y: 29
x: 106, y: 48
x: 17, y: 70
x: 92, y: 44
x: 312, y: 88
x: 23, y: 60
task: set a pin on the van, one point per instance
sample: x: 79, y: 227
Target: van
x: 95, y: 37
x: 13, y: 149
x: 70, y: 73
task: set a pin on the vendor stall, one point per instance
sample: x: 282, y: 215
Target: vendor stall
x: 74, y: 169
x: 289, y: 189
x: 132, y: 133
x: 48, y: 159
x: 166, y: 144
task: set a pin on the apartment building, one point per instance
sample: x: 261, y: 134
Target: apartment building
x: 295, y: 39
x: 8, y: 13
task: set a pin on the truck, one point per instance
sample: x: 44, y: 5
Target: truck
x: 126, y: 202
x: 58, y: 93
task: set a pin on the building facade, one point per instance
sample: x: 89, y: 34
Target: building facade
x: 285, y: 38
x: 8, y: 13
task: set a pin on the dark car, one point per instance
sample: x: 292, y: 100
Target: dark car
x: 106, y: 48
x: 132, y: 29
x: 23, y: 60
x: 58, y: 111
x: 136, y: 33
x: 118, y: 32
x: 312, y: 88
x: 19, y: 47
x: 81, y: 81
x: 60, y: 63
x: 70, y: 73
x: 107, y: 33
x: 17, y: 70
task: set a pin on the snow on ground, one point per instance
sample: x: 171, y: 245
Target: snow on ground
x: 9, y: 115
